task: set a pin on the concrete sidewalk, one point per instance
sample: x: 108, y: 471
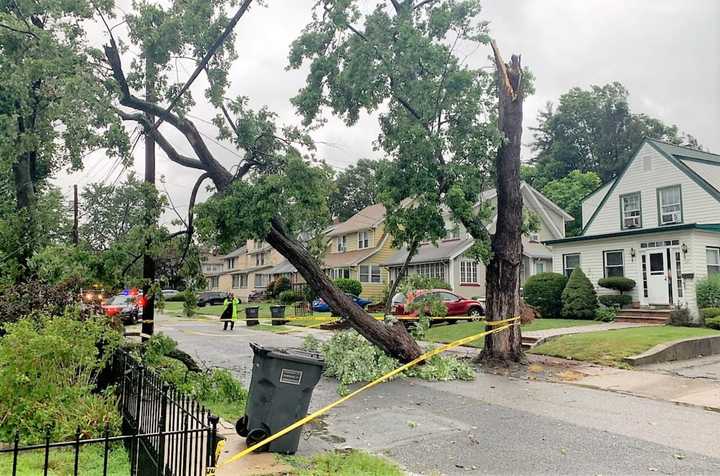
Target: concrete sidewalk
x: 604, y: 326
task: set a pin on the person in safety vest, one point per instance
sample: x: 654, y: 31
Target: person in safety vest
x: 230, y: 313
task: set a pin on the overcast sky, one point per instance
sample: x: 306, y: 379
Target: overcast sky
x: 665, y: 52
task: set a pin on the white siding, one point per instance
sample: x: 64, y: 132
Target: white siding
x: 698, y: 205
x: 591, y: 203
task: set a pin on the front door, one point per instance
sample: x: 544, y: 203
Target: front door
x: 657, y: 278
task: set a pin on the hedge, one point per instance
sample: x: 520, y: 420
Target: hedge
x: 710, y: 312
x: 708, y: 291
x: 544, y: 291
x: 350, y: 286
x: 289, y: 296
x: 713, y: 323
x: 618, y: 283
x: 579, y: 298
x: 615, y: 300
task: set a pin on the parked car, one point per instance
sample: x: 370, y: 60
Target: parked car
x: 126, y: 307
x: 211, y: 297
x: 319, y: 305
x: 167, y: 293
x: 456, y: 305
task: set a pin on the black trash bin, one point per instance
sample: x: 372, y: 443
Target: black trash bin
x: 278, y: 315
x: 280, y: 390
x: 251, y: 316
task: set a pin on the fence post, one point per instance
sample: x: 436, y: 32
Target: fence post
x: 77, y: 451
x: 162, y: 424
x: 138, y: 405
x: 15, y: 452
x: 107, y: 448
x: 47, y: 451
x: 212, y: 438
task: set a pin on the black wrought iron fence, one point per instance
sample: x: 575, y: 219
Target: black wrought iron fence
x: 165, y: 432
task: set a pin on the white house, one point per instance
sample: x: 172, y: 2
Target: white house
x: 657, y: 222
x: 446, y: 260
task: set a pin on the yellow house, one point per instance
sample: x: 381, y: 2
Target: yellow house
x: 357, y: 248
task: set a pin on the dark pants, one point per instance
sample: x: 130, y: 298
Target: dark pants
x: 232, y: 325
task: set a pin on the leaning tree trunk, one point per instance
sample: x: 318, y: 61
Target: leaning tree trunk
x: 503, y: 271
x: 392, y: 338
x: 401, y: 275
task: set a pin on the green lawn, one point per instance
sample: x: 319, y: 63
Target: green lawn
x: 450, y: 332
x: 349, y: 463
x: 610, y: 347
x: 61, y: 461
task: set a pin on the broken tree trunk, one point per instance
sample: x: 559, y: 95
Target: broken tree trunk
x: 503, y: 271
x: 412, y: 250
x: 392, y: 338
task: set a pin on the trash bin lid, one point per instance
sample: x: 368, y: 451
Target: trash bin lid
x: 290, y: 353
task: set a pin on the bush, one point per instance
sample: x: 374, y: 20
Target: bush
x: 34, y: 297
x: 351, y: 359
x: 179, y: 297
x: 708, y: 291
x: 189, y: 302
x: 309, y: 293
x: 713, y: 323
x: 605, y: 314
x: 49, y: 368
x: 618, y: 283
x: 544, y: 291
x: 710, y: 312
x: 289, y: 296
x: 350, y: 286
x: 280, y: 285
x: 579, y: 298
x: 615, y: 300
x: 680, y: 316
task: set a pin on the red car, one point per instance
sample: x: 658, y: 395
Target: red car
x: 456, y: 305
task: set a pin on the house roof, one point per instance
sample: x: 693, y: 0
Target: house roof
x: 703, y: 164
x: 536, y: 250
x: 678, y: 156
x: 237, y: 252
x: 428, y: 253
x: 492, y: 193
x: 282, y: 268
x: 712, y: 227
x: 368, y: 217
x: 349, y: 258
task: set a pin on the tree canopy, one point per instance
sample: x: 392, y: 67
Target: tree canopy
x: 356, y: 188
x: 593, y: 130
x: 568, y: 193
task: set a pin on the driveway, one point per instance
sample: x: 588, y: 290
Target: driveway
x: 702, y: 368
x: 493, y: 425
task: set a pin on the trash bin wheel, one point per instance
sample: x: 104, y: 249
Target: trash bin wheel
x: 256, y: 435
x: 241, y: 426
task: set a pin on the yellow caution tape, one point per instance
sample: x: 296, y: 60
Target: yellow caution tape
x: 392, y: 373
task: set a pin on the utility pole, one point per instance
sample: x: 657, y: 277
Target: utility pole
x: 75, y: 234
x: 148, y: 324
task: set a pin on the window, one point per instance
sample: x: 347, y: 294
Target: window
x: 428, y: 270
x: 363, y: 240
x: 214, y: 282
x: 261, y: 280
x: 713, y: 260
x: 260, y: 259
x: 258, y: 244
x: 539, y: 267
x: 669, y: 205
x: 341, y: 244
x: 370, y: 274
x: 534, y: 237
x: 570, y: 262
x: 614, y: 265
x: 468, y: 272
x: 231, y: 263
x: 339, y: 273
x: 239, y: 280
x: 630, y: 211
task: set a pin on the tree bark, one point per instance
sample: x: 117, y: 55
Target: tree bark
x: 503, y: 271
x: 392, y: 338
x: 401, y: 275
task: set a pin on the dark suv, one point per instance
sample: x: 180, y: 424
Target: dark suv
x: 211, y: 297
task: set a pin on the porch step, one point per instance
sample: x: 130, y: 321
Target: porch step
x: 528, y: 342
x: 645, y: 316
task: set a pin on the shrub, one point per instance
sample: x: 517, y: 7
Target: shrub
x: 309, y: 293
x: 615, y: 300
x: 270, y: 289
x: 280, y: 285
x: 618, y: 283
x: 34, y: 297
x: 350, y: 286
x: 710, y: 312
x: 189, y: 302
x: 543, y: 291
x: 708, y: 291
x: 713, y: 323
x: 289, y: 296
x: 605, y: 314
x: 179, y: 297
x: 579, y: 298
x: 680, y: 316
x: 351, y: 359
x: 49, y: 368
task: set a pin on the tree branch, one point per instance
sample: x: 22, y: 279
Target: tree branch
x: 502, y: 72
x: 29, y: 33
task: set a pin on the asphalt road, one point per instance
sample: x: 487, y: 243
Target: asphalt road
x: 493, y: 425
